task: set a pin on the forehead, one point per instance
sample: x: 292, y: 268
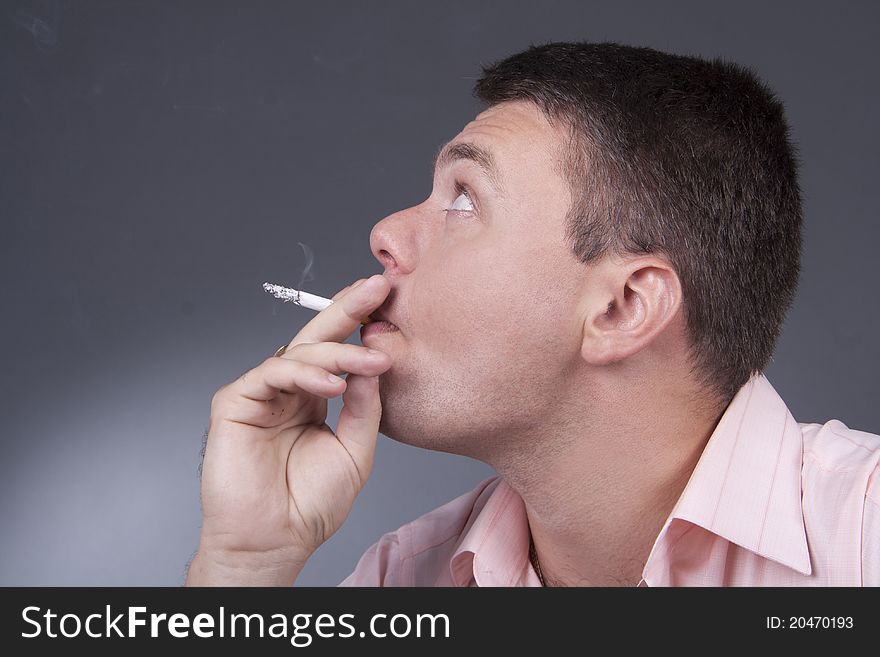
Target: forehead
x: 517, y: 133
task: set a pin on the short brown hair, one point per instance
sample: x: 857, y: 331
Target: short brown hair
x: 685, y: 157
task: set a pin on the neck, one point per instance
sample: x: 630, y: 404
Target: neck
x: 598, y: 488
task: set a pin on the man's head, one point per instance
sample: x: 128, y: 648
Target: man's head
x: 618, y: 218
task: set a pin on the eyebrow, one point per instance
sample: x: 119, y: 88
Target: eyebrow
x: 449, y: 153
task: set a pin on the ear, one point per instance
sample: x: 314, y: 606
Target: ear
x: 629, y: 302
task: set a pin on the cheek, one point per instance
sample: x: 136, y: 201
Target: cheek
x: 455, y: 305
x: 474, y: 308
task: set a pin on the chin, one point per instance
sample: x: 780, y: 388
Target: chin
x: 420, y: 419
x: 406, y: 415
x: 396, y: 423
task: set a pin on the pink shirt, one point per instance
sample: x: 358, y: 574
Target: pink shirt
x: 771, y: 502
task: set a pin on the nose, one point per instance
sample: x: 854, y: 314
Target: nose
x: 393, y: 242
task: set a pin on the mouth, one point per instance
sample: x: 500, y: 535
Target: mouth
x: 377, y: 327
x: 379, y: 315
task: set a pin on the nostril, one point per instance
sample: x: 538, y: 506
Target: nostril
x: 387, y: 259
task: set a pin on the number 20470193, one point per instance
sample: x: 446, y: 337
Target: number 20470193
x: 809, y: 622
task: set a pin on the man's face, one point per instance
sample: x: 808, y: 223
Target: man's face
x: 484, y: 291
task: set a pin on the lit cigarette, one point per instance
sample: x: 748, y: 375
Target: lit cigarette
x: 304, y: 299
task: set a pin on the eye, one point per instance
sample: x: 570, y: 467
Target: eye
x: 462, y: 206
x: 463, y: 201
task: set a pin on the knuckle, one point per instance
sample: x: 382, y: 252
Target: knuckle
x: 219, y: 398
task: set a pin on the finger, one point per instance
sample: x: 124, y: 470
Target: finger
x: 338, y: 320
x: 342, y: 292
x: 358, y: 424
x: 284, y: 408
x: 339, y: 357
x: 277, y: 374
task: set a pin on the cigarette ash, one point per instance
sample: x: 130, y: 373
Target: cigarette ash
x: 281, y: 292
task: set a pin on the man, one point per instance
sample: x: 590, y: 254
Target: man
x: 586, y: 303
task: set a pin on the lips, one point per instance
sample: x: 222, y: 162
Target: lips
x: 380, y: 323
x: 379, y: 316
x: 377, y: 327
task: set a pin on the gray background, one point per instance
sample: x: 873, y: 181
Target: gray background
x: 161, y: 160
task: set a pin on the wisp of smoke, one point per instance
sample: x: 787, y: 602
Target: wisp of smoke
x: 307, y: 271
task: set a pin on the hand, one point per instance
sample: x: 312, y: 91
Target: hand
x: 276, y: 481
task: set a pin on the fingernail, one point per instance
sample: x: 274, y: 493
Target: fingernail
x: 332, y: 378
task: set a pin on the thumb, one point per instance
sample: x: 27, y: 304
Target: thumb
x: 358, y: 424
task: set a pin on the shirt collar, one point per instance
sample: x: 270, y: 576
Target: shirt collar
x: 746, y: 486
x: 494, y: 548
